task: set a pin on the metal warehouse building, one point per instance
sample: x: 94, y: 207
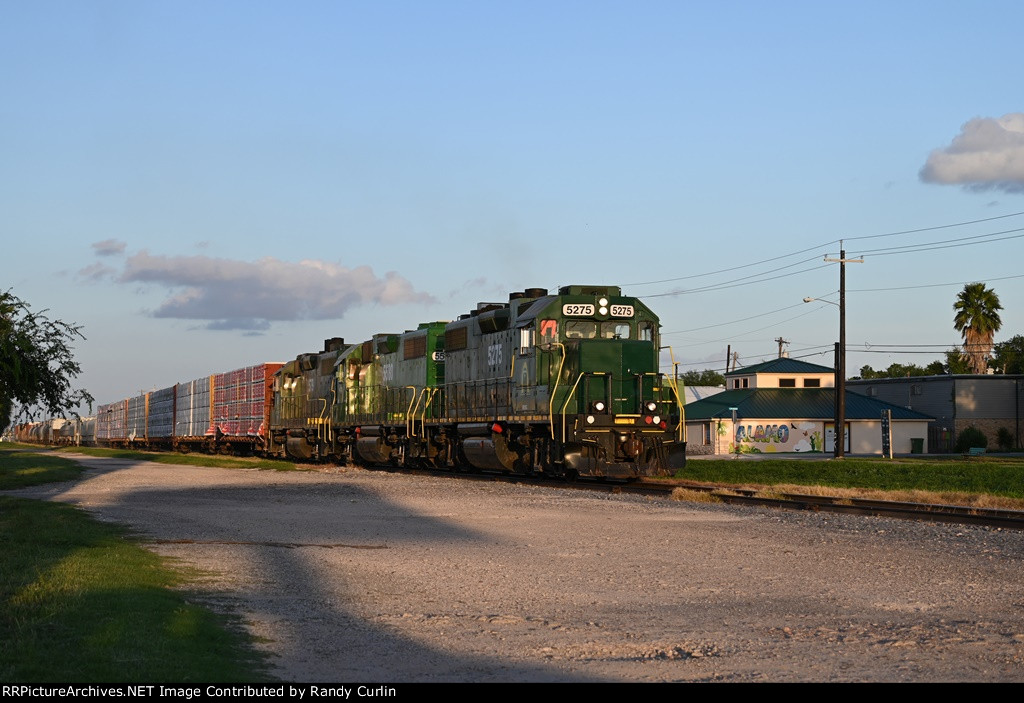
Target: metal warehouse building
x: 987, y: 402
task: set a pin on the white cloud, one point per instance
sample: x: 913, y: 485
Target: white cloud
x: 109, y: 247
x: 247, y: 295
x: 987, y: 154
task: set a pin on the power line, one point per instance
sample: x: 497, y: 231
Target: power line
x: 927, y: 246
x: 738, y: 268
x: 734, y: 284
x: 930, y: 229
x: 888, y: 251
x: 825, y: 244
x: 742, y: 319
x: 932, y: 285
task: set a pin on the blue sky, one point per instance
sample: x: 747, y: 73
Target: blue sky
x: 207, y: 185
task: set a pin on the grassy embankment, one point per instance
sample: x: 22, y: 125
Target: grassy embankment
x: 988, y: 481
x: 83, y: 602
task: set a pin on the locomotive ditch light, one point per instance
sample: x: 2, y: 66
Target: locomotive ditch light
x: 590, y: 419
x: 656, y: 420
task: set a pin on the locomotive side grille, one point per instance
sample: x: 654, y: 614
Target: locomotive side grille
x: 415, y: 347
x: 455, y: 339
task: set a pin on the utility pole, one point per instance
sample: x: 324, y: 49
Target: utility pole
x: 780, y: 342
x: 840, y: 433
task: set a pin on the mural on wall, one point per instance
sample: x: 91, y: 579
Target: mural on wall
x: 778, y: 437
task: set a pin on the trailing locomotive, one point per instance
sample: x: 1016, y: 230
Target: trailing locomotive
x: 565, y: 385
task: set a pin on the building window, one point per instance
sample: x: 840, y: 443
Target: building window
x: 787, y: 383
x: 812, y: 383
x: 739, y: 383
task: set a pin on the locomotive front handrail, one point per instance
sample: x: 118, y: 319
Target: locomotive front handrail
x: 565, y: 405
x: 429, y: 392
x: 409, y: 417
x: 554, y: 388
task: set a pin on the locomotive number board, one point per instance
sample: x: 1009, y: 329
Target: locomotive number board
x: 587, y: 310
x: 578, y: 310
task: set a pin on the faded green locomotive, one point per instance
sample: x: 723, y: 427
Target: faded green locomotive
x: 564, y: 384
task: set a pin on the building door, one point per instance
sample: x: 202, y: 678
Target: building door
x: 830, y: 438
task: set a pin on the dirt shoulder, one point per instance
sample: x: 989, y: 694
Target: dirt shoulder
x: 354, y: 575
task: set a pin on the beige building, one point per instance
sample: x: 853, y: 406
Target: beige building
x: 787, y: 405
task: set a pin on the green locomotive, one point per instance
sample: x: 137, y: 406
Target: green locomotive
x: 564, y: 385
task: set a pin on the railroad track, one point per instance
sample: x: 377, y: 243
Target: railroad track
x: 958, y: 514
x: 929, y: 512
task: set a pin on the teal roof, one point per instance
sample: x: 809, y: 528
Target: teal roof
x: 796, y: 403
x: 782, y: 366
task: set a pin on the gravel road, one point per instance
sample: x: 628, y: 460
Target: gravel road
x: 351, y: 575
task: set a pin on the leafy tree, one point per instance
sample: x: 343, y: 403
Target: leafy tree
x: 1004, y: 438
x: 977, y: 318
x: 37, y: 366
x: 956, y: 361
x: 707, y: 377
x: 1008, y: 356
x: 902, y: 371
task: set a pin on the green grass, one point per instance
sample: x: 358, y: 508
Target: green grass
x: 19, y: 468
x: 186, y: 459
x: 990, y: 475
x: 82, y: 602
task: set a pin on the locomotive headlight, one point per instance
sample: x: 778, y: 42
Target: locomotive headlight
x: 599, y: 406
x: 590, y: 419
x: 603, y: 302
x: 603, y: 310
x: 652, y: 406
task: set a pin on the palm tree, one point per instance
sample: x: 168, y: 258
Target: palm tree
x: 977, y: 318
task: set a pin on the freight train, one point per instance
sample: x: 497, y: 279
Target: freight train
x: 562, y: 384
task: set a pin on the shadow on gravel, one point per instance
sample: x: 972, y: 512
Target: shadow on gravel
x: 311, y: 553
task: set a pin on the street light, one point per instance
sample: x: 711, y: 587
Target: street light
x: 819, y: 300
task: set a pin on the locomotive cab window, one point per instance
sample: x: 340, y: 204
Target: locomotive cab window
x: 526, y: 340
x: 646, y: 331
x: 614, y: 330
x: 580, y: 329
